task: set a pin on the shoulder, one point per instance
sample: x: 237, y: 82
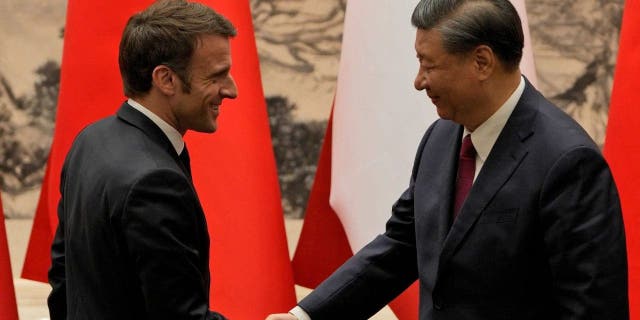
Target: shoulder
x: 559, y: 146
x: 115, y: 154
x: 554, y: 131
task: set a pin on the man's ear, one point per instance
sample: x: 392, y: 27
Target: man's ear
x: 163, y: 78
x: 484, y: 61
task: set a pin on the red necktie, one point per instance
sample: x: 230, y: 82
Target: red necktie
x: 466, y: 171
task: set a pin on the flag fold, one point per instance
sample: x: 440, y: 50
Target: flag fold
x: 8, y: 306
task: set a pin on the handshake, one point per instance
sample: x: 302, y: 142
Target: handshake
x: 282, y: 316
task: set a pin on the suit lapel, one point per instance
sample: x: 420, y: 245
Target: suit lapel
x: 506, y: 155
x: 134, y: 117
x: 449, y: 172
x: 439, y: 174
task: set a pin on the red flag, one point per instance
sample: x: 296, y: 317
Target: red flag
x: 8, y: 306
x: 622, y: 148
x: 250, y: 269
x: 37, y: 258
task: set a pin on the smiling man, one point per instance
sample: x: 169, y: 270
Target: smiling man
x: 511, y: 211
x: 132, y: 240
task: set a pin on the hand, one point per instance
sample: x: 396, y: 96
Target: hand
x: 282, y: 316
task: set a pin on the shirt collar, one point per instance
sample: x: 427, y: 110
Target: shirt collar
x: 485, y: 136
x: 172, y: 134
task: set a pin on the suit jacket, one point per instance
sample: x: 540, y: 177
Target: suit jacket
x: 540, y: 235
x: 132, y: 240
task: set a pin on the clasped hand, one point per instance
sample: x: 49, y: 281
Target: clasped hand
x: 282, y: 316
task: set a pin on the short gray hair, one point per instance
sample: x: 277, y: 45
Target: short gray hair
x: 466, y: 24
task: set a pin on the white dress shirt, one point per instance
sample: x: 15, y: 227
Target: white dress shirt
x: 172, y: 134
x: 485, y: 136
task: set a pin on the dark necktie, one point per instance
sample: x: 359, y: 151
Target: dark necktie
x: 466, y: 171
x: 184, y: 157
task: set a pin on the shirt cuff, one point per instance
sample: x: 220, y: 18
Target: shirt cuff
x: 299, y: 313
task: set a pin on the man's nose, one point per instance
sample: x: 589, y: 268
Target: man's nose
x: 230, y: 91
x: 420, y: 83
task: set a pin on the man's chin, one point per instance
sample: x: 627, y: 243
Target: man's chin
x: 443, y: 114
x: 211, y: 126
x: 207, y: 129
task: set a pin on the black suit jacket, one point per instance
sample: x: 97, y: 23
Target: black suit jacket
x: 132, y: 240
x: 540, y: 235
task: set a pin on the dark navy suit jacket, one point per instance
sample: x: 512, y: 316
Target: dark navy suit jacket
x: 540, y: 235
x: 132, y: 240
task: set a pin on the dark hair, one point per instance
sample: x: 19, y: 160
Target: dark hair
x: 165, y: 33
x: 466, y: 24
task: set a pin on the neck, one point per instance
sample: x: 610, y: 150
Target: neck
x: 497, y: 90
x: 159, y: 105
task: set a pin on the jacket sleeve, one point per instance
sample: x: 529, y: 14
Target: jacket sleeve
x: 168, y: 245
x: 377, y: 273
x: 584, y: 238
x: 57, y: 300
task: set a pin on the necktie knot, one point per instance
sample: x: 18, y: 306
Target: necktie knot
x: 467, y: 150
x: 466, y: 173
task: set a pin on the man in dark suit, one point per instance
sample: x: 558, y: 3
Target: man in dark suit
x: 539, y: 235
x: 132, y: 240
